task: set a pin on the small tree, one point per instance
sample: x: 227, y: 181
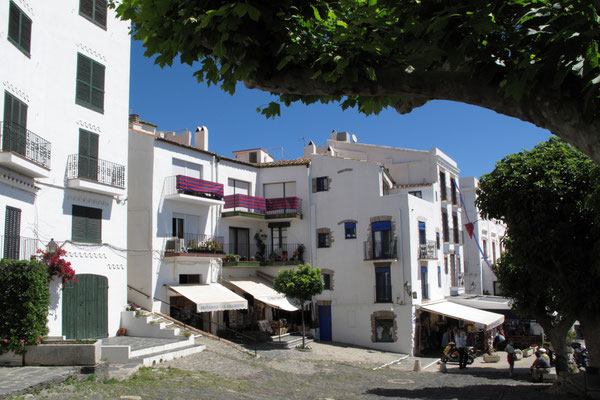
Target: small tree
x: 301, y: 284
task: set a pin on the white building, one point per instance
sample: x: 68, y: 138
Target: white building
x: 479, y: 278
x: 63, y: 152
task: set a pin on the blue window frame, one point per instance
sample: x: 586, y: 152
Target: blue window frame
x: 383, y: 285
x: 422, y: 233
x: 350, y: 230
x: 424, y: 283
x: 382, y: 236
x: 326, y: 281
x: 439, y: 276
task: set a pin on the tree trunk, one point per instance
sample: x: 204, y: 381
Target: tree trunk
x: 557, y: 332
x: 591, y: 332
x: 303, y: 330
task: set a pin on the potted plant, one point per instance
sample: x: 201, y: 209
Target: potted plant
x: 260, y: 244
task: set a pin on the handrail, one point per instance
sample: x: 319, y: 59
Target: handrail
x: 196, y: 316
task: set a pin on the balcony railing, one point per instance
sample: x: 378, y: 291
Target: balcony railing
x: 14, y: 247
x: 284, y: 205
x: 381, y: 250
x: 383, y: 293
x: 26, y: 143
x: 271, y: 253
x: 193, y: 186
x: 246, y: 203
x: 101, y: 171
x: 428, y: 250
x: 195, y: 243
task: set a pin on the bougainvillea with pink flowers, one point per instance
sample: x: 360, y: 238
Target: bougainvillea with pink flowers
x: 57, y: 265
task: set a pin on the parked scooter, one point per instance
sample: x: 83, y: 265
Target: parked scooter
x: 451, y: 354
x: 580, y: 355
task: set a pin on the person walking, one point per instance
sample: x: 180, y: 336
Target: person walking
x: 461, y: 345
x: 510, y: 357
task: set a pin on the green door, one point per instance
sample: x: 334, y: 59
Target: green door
x: 85, y: 307
x: 14, y: 136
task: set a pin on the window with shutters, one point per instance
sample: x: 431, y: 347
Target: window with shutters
x: 90, y: 83
x: 94, y: 10
x: 14, y: 136
x: 86, y: 225
x: 19, y: 29
x: 12, y: 233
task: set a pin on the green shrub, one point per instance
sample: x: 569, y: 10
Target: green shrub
x: 24, y: 301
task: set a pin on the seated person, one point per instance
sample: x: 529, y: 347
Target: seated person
x: 540, y: 366
x: 550, y: 353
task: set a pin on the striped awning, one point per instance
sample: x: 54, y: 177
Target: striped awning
x: 283, y: 203
x: 242, y: 200
x: 190, y: 184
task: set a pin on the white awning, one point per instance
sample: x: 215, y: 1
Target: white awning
x: 264, y: 292
x: 458, y: 311
x: 481, y: 302
x: 212, y: 297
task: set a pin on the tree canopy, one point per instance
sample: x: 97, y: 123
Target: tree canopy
x: 536, y: 60
x: 548, y: 199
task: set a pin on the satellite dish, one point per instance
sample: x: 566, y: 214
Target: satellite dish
x: 354, y: 139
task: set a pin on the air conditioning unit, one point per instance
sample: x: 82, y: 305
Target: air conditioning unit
x: 175, y: 245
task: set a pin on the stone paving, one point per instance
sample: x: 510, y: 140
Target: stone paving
x: 14, y: 380
x: 329, y: 371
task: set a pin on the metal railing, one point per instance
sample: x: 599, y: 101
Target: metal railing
x: 428, y: 250
x: 95, y: 169
x: 194, y: 243
x: 191, y: 315
x: 14, y: 247
x: 271, y: 253
x: 378, y: 250
x: 383, y: 293
x: 26, y: 143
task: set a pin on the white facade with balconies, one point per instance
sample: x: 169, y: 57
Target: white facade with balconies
x: 63, y: 152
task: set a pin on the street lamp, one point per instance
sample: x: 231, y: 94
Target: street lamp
x: 52, y: 246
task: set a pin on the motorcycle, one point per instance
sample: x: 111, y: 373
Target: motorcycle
x: 580, y: 355
x: 451, y: 354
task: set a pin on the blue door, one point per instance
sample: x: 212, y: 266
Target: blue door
x: 325, y: 323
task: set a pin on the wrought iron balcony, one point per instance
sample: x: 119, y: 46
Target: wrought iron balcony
x: 195, y: 243
x: 286, y: 252
x: 15, y: 247
x: 381, y: 250
x: 22, y: 141
x: 428, y: 251
x: 383, y: 293
x: 96, y: 170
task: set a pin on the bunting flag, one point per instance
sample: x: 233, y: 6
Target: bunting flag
x: 189, y: 184
x: 470, y: 228
x: 242, y: 200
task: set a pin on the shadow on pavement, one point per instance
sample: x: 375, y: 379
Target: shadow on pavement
x: 484, y: 392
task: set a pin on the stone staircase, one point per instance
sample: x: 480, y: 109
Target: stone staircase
x: 289, y: 341
x: 150, y: 338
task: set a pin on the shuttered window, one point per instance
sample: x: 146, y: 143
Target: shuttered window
x: 14, y: 136
x: 90, y: 83
x: 86, y: 225
x: 94, y: 10
x: 87, y: 166
x: 12, y: 233
x: 19, y: 29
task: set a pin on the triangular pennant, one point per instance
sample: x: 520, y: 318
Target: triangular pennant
x: 470, y: 229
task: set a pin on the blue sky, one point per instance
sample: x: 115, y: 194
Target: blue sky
x: 172, y: 99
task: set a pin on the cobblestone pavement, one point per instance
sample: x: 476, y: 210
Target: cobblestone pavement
x: 327, y: 372
x: 17, y: 379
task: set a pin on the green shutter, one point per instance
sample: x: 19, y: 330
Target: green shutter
x: 19, y: 28
x: 25, y: 39
x: 100, y: 13
x: 14, y: 20
x: 90, y: 83
x: 86, y: 7
x: 86, y: 224
x: 88, y: 155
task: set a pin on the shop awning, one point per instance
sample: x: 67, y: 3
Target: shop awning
x: 212, y: 297
x: 263, y: 291
x: 482, y: 302
x: 458, y: 311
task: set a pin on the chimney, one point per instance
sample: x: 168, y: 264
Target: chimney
x: 201, y: 138
x: 134, y: 118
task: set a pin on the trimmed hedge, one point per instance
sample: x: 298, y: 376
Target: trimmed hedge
x: 24, y: 302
